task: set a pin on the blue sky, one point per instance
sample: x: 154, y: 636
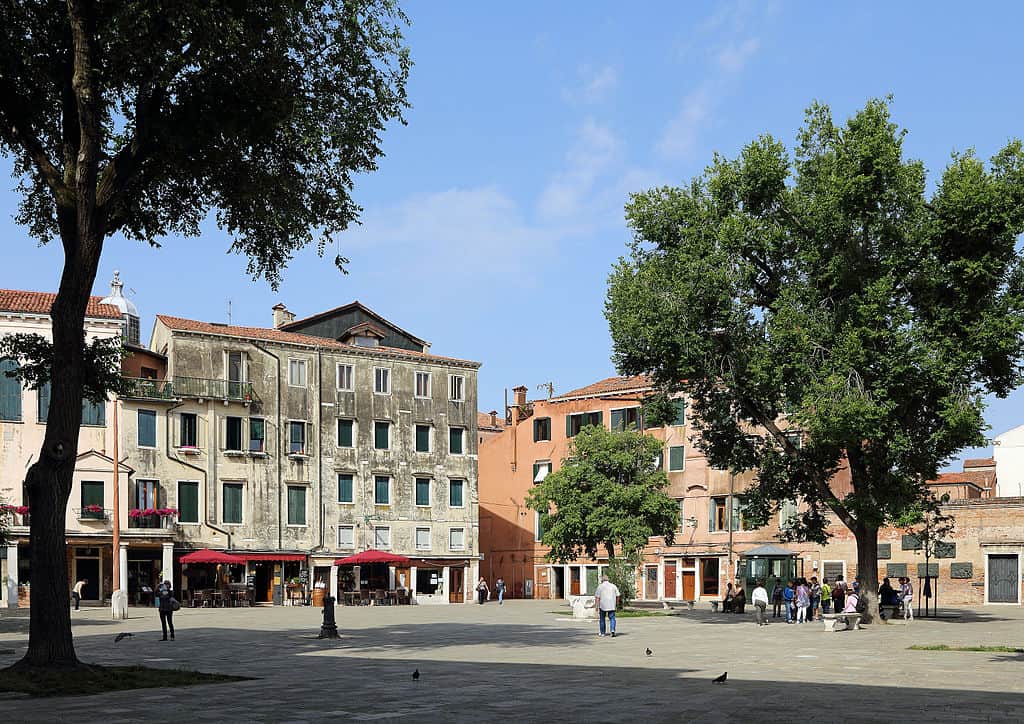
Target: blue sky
x: 493, y: 222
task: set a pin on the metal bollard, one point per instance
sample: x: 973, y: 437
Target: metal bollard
x: 329, y: 629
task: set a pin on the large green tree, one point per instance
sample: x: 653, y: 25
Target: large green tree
x: 143, y: 118
x: 608, y: 494
x: 829, y: 290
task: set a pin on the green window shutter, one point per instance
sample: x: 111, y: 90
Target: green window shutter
x: 568, y: 425
x: 423, y: 438
x: 257, y: 435
x: 10, y: 391
x: 712, y: 518
x: 680, y: 418
x: 380, y: 435
x: 455, y: 440
x: 344, y: 433
x: 296, y: 505
x: 94, y: 413
x: 147, y: 428
x: 345, y: 488
x: 676, y: 458
x: 618, y: 420
x: 597, y: 418
x: 233, y: 437
x: 43, y: 405
x: 455, y: 493
x: 188, y: 502
x: 381, y: 494
x: 422, y: 491
x: 232, y: 503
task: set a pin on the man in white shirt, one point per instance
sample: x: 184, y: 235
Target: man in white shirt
x: 76, y: 592
x: 606, y: 598
x: 759, y: 597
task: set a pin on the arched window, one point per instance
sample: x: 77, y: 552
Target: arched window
x: 10, y: 391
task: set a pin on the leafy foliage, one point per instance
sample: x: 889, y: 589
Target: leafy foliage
x: 608, y: 494
x: 622, y: 572
x: 101, y: 359
x: 829, y: 287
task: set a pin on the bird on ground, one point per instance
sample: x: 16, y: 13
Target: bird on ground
x: 649, y: 652
x: 123, y: 635
x: 720, y: 679
x: 416, y: 675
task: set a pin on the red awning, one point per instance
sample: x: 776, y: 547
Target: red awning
x: 372, y: 556
x: 205, y: 555
x: 271, y: 556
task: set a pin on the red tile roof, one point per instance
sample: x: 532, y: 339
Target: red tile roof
x: 979, y: 463
x: 276, y: 335
x: 609, y: 386
x: 13, y: 300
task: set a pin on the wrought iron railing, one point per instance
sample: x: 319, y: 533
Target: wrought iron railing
x: 214, y: 389
x: 153, y: 522
x: 87, y: 514
x: 141, y: 388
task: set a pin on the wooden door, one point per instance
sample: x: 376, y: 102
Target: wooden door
x: 403, y: 577
x: 574, y: 580
x: 670, y: 579
x: 651, y: 583
x: 689, y: 585
x: 456, y: 586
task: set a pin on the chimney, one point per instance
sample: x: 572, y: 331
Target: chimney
x: 519, y: 396
x: 281, y: 315
x: 494, y: 418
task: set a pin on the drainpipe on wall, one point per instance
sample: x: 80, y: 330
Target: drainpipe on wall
x: 320, y: 440
x: 279, y: 433
x: 185, y: 463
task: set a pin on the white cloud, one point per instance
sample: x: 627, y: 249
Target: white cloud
x: 679, y: 138
x: 596, y: 85
x: 734, y: 56
x: 594, y: 152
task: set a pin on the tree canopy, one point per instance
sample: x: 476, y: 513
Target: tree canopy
x: 827, y: 290
x: 608, y: 494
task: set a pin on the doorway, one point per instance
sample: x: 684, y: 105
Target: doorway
x: 89, y: 569
x: 651, y: 583
x: 689, y: 585
x: 670, y: 580
x: 557, y: 581
x: 263, y: 582
x: 574, y: 580
x: 1003, y: 578
x: 592, y: 579
x: 456, y: 585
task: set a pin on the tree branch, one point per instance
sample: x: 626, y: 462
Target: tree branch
x: 13, y: 118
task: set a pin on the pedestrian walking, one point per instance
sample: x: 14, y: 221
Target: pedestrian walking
x: 826, y: 596
x: 499, y: 587
x: 759, y: 597
x: 168, y: 604
x: 777, y: 598
x: 907, y: 596
x: 803, y: 601
x: 76, y: 592
x: 606, y: 598
x: 789, y: 597
x: 838, y: 594
x: 482, y: 591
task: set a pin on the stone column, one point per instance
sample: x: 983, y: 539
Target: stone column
x: 119, y: 598
x: 167, y: 565
x: 412, y: 583
x: 444, y: 584
x: 123, y: 566
x: 12, y: 575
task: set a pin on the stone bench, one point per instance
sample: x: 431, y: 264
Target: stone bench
x: 583, y: 607
x: 849, y: 621
x: 888, y: 611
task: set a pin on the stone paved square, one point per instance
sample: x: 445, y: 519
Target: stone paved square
x: 520, y: 661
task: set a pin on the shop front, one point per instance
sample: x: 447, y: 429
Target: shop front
x: 441, y: 580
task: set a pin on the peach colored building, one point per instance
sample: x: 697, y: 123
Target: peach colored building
x: 981, y: 564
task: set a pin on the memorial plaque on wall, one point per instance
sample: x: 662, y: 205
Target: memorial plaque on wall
x: 911, y: 543
x: 933, y: 570
x: 945, y: 549
x: 895, y: 570
x: 961, y: 570
x: 884, y: 551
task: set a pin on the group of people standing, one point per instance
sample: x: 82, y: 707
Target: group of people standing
x: 803, y: 601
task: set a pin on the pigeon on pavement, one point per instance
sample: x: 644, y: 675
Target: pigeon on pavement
x: 416, y: 675
x: 122, y: 635
x: 649, y: 652
x: 720, y: 679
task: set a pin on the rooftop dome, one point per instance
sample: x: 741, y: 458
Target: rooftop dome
x: 117, y: 297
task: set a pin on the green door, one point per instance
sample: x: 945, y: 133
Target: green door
x: 591, y: 579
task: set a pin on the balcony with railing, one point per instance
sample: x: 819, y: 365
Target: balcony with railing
x: 158, y: 519
x: 181, y: 387
x: 140, y: 388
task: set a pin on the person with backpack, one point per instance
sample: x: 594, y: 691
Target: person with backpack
x: 812, y: 612
x: 788, y: 597
x: 826, y: 596
x: 838, y: 594
x: 907, y: 597
x: 777, y: 598
x: 168, y: 605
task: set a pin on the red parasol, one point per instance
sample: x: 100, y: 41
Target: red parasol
x: 372, y: 556
x: 205, y: 555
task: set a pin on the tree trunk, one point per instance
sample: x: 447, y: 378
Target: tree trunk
x: 867, y: 569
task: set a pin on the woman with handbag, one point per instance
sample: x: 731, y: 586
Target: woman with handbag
x: 168, y: 605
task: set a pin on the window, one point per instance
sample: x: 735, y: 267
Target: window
x: 423, y: 539
x: 455, y: 440
x: 346, y: 437
x: 94, y: 413
x: 297, y: 373
x: 346, y: 536
x: 574, y: 423
x: 542, y: 429
x: 131, y: 329
x: 680, y: 418
x: 188, y: 501
x: 346, y: 373
x: 541, y: 470
x: 423, y: 384
x: 795, y: 439
x: 709, y: 576
x: 382, y: 537
x: 10, y: 391
x: 147, y: 494
x: 423, y: 492
x: 382, y: 490
x: 787, y: 511
x: 232, y: 508
x: 626, y: 418
x: 296, y: 505
x: 233, y: 433
x: 42, y: 402
x: 257, y: 435
x: 236, y: 371
x: 188, y: 430
x: 92, y: 494
x: 457, y: 539
x: 538, y: 528
x: 719, y: 514
x: 147, y: 428
x: 676, y: 458
x: 296, y: 438
x: 455, y: 489
x: 345, y: 493
x: 382, y: 380
x: 423, y: 438
x: 382, y: 435
x: 456, y: 388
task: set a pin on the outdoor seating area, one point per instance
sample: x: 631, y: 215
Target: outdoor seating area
x: 221, y: 599
x: 376, y: 597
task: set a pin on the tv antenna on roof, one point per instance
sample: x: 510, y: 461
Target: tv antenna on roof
x: 549, y: 386
x: 229, y: 311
